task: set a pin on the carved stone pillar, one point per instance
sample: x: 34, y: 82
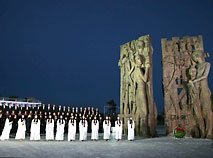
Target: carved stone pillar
x: 187, y: 98
x: 136, y: 89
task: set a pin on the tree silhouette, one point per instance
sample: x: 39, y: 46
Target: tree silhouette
x: 112, y: 107
x: 13, y: 98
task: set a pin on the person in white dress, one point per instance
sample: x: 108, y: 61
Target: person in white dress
x: 7, y: 127
x: 60, y: 129
x: 106, y: 127
x: 83, y: 126
x: 95, y: 128
x: 49, y: 128
x: 131, y: 129
x: 118, y: 129
x: 35, y: 129
x: 71, y: 129
x: 20, y: 134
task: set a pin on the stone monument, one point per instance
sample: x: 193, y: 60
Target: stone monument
x: 136, y: 89
x: 187, y: 98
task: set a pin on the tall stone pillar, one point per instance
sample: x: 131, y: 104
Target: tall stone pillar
x: 136, y: 89
x: 187, y: 98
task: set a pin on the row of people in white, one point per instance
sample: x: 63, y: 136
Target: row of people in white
x: 83, y: 126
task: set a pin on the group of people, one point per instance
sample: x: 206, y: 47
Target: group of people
x: 34, y: 120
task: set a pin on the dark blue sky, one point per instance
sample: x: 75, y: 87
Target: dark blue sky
x: 66, y: 52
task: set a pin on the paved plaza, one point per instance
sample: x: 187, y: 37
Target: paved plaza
x: 141, y: 147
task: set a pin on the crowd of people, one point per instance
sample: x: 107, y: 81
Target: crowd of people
x: 56, y: 121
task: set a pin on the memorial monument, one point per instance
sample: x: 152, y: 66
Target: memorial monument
x: 136, y: 89
x: 187, y: 97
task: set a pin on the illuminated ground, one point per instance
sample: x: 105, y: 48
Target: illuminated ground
x: 141, y: 148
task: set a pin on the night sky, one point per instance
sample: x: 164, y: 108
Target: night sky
x: 67, y: 52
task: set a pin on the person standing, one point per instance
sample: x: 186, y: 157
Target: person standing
x: 22, y: 108
x: 76, y: 110
x: 50, y: 128
x: 28, y: 123
x: 10, y: 107
x: 60, y: 129
x: 20, y: 134
x: 89, y: 124
x: 77, y: 118
x: 66, y: 119
x: 35, y: 129
x: 59, y: 109
x: 54, y: 108
x: 27, y: 108
x: 81, y: 110
x: 16, y: 108
x: 33, y: 108
x: 107, y: 126
x: 71, y: 129
x: 131, y: 129
x: 100, y: 119
x: 7, y: 127
x: 118, y: 129
x: 83, y: 126
x: 64, y: 109
x: 95, y: 128
x: 73, y: 110
x: 2, y: 107
x: 43, y: 109
x: 1, y: 123
x: 49, y: 109
x: 55, y: 123
x: 43, y: 119
x: 15, y: 124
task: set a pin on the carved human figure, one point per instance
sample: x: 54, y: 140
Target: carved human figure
x: 189, y: 45
x: 128, y: 83
x: 139, y: 48
x: 140, y: 80
x: 170, y: 80
x: 148, y: 50
x: 192, y: 90
x: 201, y: 82
x: 132, y: 100
x: 177, y: 58
x: 122, y: 64
x: 193, y: 101
x: 185, y: 60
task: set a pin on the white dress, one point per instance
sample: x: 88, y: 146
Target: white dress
x: 60, y: 130
x: 131, y: 130
x: 6, y: 131
x: 71, y: 130
x: 20, y: 134
x: 118, y: 130
x: 106, y: 126
x: 35, y: 130
x: 50, y: 129
x: 83, y: 130
x: 95, y: 128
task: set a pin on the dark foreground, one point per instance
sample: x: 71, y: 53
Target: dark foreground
x: 152, y: 147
